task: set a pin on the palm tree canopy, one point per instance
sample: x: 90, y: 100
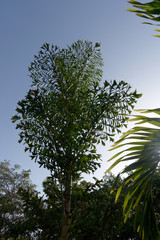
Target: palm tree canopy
x: 140, y: 146
x: 149, y: 10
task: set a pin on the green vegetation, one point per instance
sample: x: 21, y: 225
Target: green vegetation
x: 150, y: 11
x: 142, y: 146
x: 94, y: 212
x: 67, y: 112
x: 12, y: 220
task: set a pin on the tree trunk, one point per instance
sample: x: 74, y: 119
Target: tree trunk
x: 66, y: 209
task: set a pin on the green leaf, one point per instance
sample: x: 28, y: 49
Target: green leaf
x: 97, y: 45
x: 118, y: 193
x: 15, y: 118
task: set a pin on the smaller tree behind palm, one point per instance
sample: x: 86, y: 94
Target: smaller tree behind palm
x: 11, y: 204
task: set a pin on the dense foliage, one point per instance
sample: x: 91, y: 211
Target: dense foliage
x: 12, y: 217
x: 68, y: 111
x: 94, y: 212
x: 142, y: 146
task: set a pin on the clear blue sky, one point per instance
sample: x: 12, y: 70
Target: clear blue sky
x: 129, y: 50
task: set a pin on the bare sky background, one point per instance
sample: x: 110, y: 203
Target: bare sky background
x: 129, y: 50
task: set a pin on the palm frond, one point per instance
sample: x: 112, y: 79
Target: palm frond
x: 142, y: 147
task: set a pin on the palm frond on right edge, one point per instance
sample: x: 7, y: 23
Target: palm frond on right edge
x: 142, y: 147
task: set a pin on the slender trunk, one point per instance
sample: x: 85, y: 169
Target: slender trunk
x: 66, y: 209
